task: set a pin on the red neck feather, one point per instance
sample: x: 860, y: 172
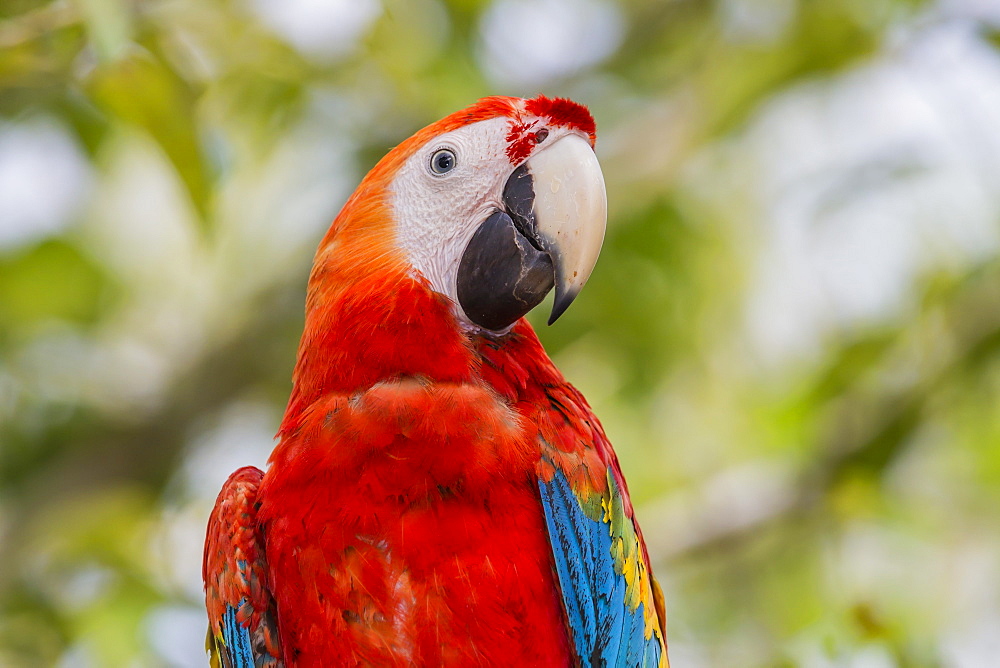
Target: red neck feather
x: 367, y: 318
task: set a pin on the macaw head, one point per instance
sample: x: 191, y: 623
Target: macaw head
x: 461, y: 229
x: 492, y: 207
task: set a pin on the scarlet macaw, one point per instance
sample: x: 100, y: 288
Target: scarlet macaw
x: 440, y: 495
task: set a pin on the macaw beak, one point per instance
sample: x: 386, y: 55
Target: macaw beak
x: 549, y: 234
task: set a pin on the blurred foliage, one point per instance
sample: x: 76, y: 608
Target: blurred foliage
x: 831, y: 502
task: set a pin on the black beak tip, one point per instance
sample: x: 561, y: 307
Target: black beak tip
x: 561, y: 303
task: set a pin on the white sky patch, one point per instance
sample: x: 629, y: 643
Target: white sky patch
x: 987, y: 11
x: 77, y: 656
x: 142, y: 227
x: 861, y: 184
x: 531, y: 42
x: 272, y: 213
x: 321, y: 29
x: 177, y: 634
x: 44, y: 178
x: 242, y: 435
x: 756, y: 21
x: 975, y: 645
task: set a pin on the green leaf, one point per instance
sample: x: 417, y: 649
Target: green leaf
x: 52, y: 281
x: 141, y: 91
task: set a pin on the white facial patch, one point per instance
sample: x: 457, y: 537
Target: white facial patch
x: 437, y: 214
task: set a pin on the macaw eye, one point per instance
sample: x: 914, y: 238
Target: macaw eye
x: 442, y: 161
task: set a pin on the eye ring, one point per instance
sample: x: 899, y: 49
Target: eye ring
x: 443, y: 161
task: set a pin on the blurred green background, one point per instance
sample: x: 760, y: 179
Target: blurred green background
x: 792, y: 337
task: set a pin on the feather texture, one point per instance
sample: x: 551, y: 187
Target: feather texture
x: 607, y: 629
x: 611, y: 601
x: 242, y: 631
x: 437, y: 497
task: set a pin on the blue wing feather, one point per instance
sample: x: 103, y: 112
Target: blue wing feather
x: 237, y: 639
x: 605, y: 631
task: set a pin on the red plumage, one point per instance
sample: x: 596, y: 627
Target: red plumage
x: 422, y: 538
x: 400, y: 514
